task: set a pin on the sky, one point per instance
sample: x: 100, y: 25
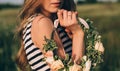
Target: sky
x: 12, y: 1
x: 21, y: 1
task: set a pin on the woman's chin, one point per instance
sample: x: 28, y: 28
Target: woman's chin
x: 54, y: 10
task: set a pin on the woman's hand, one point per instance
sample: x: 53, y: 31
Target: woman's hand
x: 68, y: 19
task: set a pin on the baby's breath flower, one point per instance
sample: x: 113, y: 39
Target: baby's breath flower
x: 99, y: 36
x: 94, y: 64
x: 85, y: 57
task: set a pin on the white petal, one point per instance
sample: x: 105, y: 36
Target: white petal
x: 99, y: 46
x: 56, y: 22
x: 49, y: 60
x: 87, y: 65
x: 84, y: 22
x: 85, y: 57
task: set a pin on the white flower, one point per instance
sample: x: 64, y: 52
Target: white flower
x: 49, y: 54
x: 50, y: 60
x: 56, y: 22
x: 94, y: 64
x: 49, y: 57
x: 57, y: 65
x: 99, y: 36
x: 85, y: 57
x: 84, y: 22
x: 87, y: 66
x: 75, y: 67
x: 99, y: 46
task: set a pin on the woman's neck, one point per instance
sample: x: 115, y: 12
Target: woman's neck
x: 46, y: 13
x: 51, y: 16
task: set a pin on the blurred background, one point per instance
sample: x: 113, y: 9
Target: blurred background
x: 104, y: 13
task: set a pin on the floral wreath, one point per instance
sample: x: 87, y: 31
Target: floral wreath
x: 94, y: 50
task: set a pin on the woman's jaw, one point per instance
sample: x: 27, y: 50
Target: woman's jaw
x: 51, y: 7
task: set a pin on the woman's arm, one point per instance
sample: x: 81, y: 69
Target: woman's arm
x: 78, y: 46
x: 68, y: 20
x: 42, y: 27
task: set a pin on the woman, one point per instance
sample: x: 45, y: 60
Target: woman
x: 37, y: 17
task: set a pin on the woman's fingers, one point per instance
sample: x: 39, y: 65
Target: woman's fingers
x: 65, y: 15
x: 69, y: 16
x: 74, y: 16
x: 60, y: 15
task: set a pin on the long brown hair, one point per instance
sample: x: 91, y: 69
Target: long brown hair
x: 30, y: 8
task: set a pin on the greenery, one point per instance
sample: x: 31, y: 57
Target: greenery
x: 93, y: 54
x: 106, y: 19
x: 50, y: 45
x: 91, y: 1
x: 5, y: 6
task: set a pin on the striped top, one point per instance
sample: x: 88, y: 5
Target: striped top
x: 34, y: 54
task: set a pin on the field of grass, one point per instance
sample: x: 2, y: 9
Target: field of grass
x: 106, y: 18
x: 8, y: 46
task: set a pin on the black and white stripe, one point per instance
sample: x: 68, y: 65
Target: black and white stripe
x: 67, y: 42
x: 35, y: 56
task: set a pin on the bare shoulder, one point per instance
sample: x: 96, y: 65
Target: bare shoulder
x: 42, y: 21
x: 41, y: 26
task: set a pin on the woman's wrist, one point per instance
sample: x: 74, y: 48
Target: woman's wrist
x: 77, y: 30
x: 78, y: 33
